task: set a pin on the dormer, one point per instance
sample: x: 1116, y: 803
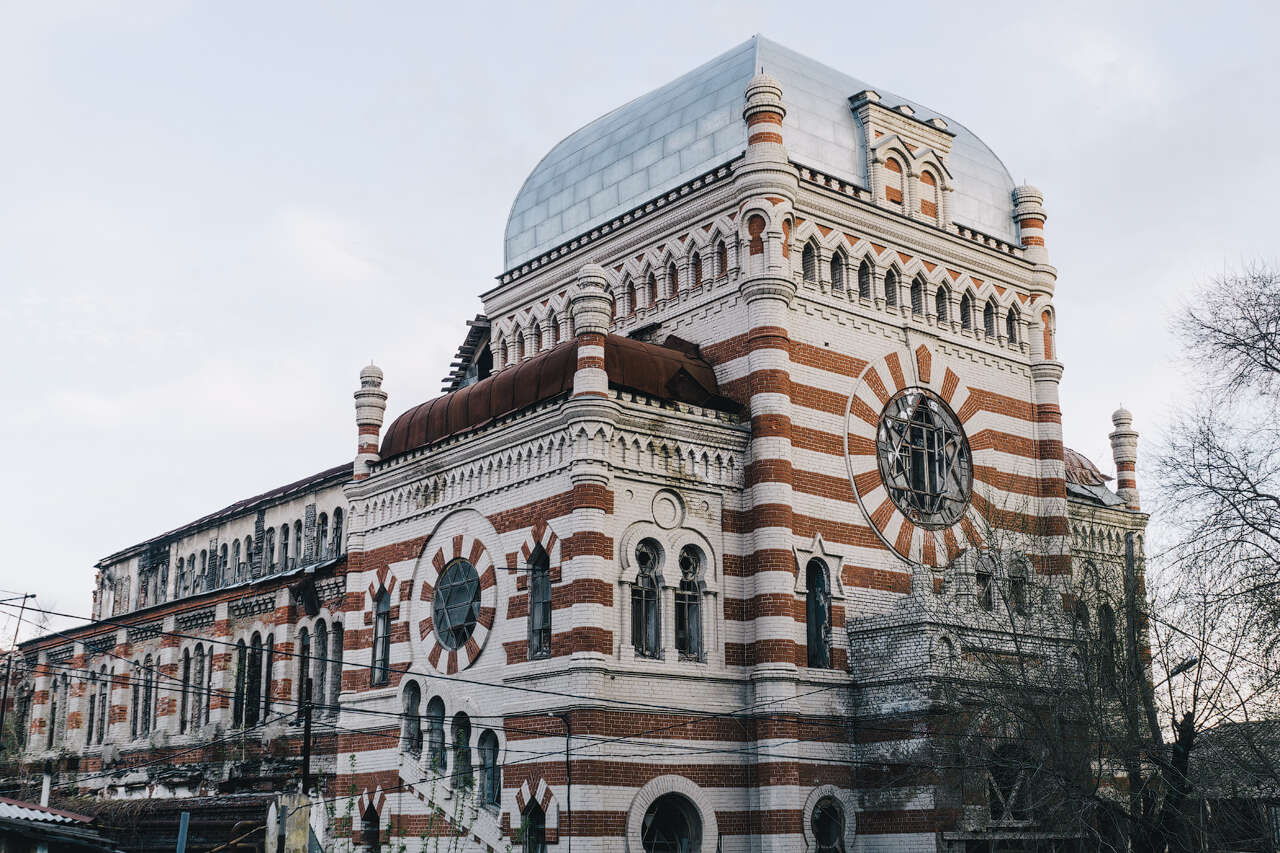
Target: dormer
x: 906, y: 159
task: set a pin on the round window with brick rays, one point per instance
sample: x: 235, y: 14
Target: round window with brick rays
x: 909, y: 456
x: 456, y: 603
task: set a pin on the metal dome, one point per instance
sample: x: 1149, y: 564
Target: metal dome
x: 662, y: 139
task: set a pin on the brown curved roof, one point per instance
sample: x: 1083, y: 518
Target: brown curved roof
x: 672, y: 372
x: 1080, y: 470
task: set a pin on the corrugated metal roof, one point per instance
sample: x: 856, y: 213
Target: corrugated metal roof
x: 694, y: 123
x: 18, y: 810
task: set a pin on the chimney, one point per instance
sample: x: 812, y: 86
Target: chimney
x: 1124, y: 449
x: 371, y: 405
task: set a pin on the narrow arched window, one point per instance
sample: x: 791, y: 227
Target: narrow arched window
x: 135, y: 709
x: 148, y: 693
x: 917, y: 295
x: 553, y: 330
x: 1109, y: 644
x: 204, y: 569
x: 818, y: 613
x: 322, y: 537
x: 645, y: 635
x: 893, y: 181
x: 268, y: 662
x: 198, y: 680
x: 989, y: 319
x: 184, y: 706
x: 370, y: 832
x: 462, y: 750
x: 695, y: 269
x: 837, y: 273
x: 1011, y: 326
x: 337, y: 529
x: 966, y: 312
x: 104, y: 691
x: 381, y: 638
x: 269, y: 546
x: 410, y: 722
x: 298, y: 555
x: 247, y: 569
x: 539, y: 604
x: 864, y: 280
x: 941, y: 302
x: 985, y: 586
x: 284, y: 550
x: 181, y: 585
x: 928, y: 195
x: 242, y: 673
x: 335, y: 664
x: 490, y: 769
x: 91, y: 690
x: 722, y: 259
x: 435, y: 735
x: 653, y: 289
x: 304, y: 668
x: 673, y: 280
x: 533, y: 825
x: 809, y: 263
x: 891, y: 288
x: 253, y: 682
x: 235, y: 561
x: 320, y: 667
x: 688, y: 601
x: 53, y: 717
x: 632, y: 305
x: 1018, y: 589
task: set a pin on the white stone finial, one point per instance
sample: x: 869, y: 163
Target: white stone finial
x: 1124, y: 450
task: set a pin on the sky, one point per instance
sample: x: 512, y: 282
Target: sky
x: 213, y: 214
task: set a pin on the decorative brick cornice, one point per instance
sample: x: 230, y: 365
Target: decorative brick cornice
x: 196, y: 619
x: 256, y: 606
x: 138, y: 633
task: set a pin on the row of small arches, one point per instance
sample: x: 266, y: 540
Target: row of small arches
x: 422, y: 736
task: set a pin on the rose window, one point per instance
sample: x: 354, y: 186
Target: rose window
x: 924, y: 458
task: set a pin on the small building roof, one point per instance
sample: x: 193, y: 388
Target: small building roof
x: 673, y: 371
x: 1085, y: 482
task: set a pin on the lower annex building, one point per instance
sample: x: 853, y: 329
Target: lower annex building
x: 756, y: 431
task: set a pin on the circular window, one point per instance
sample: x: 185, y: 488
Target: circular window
x: 457, y: 604
x: 924, y: 458
x: 827, y: 823
x: 671, y: 825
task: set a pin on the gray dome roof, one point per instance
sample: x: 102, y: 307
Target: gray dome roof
x: 669, y: 136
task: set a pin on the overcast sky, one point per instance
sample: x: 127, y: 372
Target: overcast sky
x: 214, y: 213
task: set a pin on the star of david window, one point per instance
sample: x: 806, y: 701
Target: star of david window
x: 457, y: 604
x: 924, y: 458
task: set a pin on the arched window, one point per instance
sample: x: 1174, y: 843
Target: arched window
x: 537, y: 337
x: 519, y: 345
x: 370, y: 833
x: 864, y: 280
x: 335, y: 664
x: 304, y: 667
x: 253, y: 682
x: 297, y: 542
x: 268, y: 661
x: 435, y: 735
x: 135, y: 709
x: 827, y: 825
x: 645, y: 634
x: 673, y: 279
x: 490, y: 770
x: 653, y: 289
x: 462, y: 750
x: 235, y: 561
x: 184, y: 706
x: 284, y: 550
x: 104, y: 691
x: 204, y: 569
x: 989, y: 318
x: 893, y: 181
x: 91, y: 690
x: 197, y: 703
x: 381, y: 638
x: 539, y: 604
x: 224, y: 565
x: 671, y: 825
x: 1010, y: 783
x: 632, y: 305
x: 688, y: 600
x: 1109, y: 644
x: 149, y: 693
x: 818, y: 613
x: 242, y: 673
x: 320, y: 667
x: 695, y: 269
x: 1018, y: 588
x: 891, y: 288
x: 837, y: 273
x: 966, y: 311
x: 928, y: 195
x: 269, y: 546
x: 322, y: 536
x: 182, y: 578
x: 917, y: 295
x: 337, y: 529
x: 1011, y: 326
x: 809, y: 264
x: 410, y: 722
x: 534, y: 826
x: 248, y: 557
x: 553, y: 329
x: 722, y: 259
x: 985, y: 587
x: 941, y: 302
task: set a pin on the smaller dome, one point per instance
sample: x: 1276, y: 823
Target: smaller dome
x: 1080, y: 470
x: 1122, y: 417
x: 371, y: 373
